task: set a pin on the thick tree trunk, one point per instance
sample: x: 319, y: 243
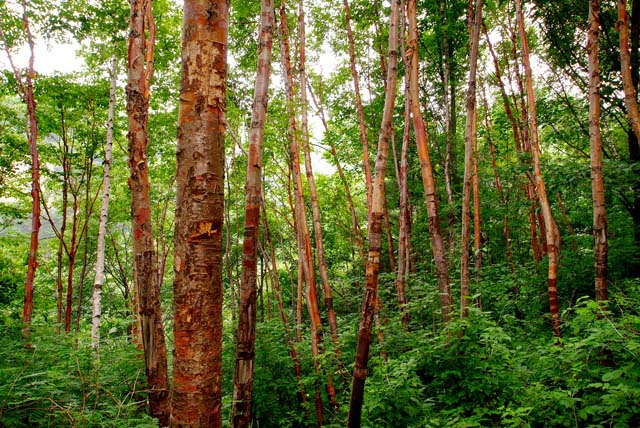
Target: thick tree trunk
x: 551, y: 230
x: 246, y: 336
x: 437, y: 243
x: 197, y: 362
x: 375, y: 228
x: 469, y: 155
x: 104, y: 212
x: 600, y: 247
x: 140, y: 55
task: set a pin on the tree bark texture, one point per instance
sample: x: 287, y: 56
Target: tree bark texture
x: 305, y: 253
x: 551, y: 229
x: 364, y: 139
x: 140, y: 68
x: 469, y: 156
x: 600, y: 247
x: 26, y: 93
x: 428, y: 182
x: 246, y: 334
x: 375, y: 228
x: 104, y: 213
x: 197, y: 358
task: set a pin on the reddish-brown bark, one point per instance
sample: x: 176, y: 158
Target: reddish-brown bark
x: 551, y: 230
x: 305, y: 253
x: 147, y: 288
x: 364, y: 139
x: 26, y: 93
x: 375, y: 228
x: 428, y: 182
x: 197, y: 362
x: 246, y: 333
x: 601, y: 246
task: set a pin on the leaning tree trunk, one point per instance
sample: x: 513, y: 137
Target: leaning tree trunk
x: 104, y: 213
x: 469, y: 157
x: 551, y: 229
x: 246, y: 336
x: 437, y: 243
x: 305, y: 253
x: 364, y: 139
x: 375, y: 228
x: 600, y: 247
x: 140, y: 57
x: 197, y: 362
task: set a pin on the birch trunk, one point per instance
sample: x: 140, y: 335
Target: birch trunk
x: 375, y: 228
x: 551, y: 230
x: 104, y: 213
x: 246, y: 336
x: 469, y: 155
x: 305, y: 254
x: 601, y: 246
x: 428, y: 182
x: 364, y: 139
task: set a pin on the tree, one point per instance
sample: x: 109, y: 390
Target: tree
x: 196, y: 394
x: 470, y: 155
x: 104, y: 213
x: 139, y: 74
x: 437, y: 243
x: 26, y: 92
x: 600, y: 246
x: 375, y: 228
x: 245, y: 342
x: 550, y: 227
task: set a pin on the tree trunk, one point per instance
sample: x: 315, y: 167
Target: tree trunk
x: 140, y: 56
x: 104, y: 212
x: 197, y: 362
x: 305, y: 254
x: 469, y: 155
x: 245, y: 345
x: 375, y: 228
x: 26, y: 92
x: 364, y: 139
x: 437, y: 244
x: 551, y: 229
x: 315, y: 208
x: 600, y: 247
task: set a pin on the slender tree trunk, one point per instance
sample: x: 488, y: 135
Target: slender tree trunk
x: 104, y: 212
x: 245, y: 342
x: 447, y: 108
x: 364, y: 139
x: 197, y: 362
x: 437, y: 243
x: 355, y: 227
x: 551, y: 229
x: 305, y: 253
x: 375, y: 228
x: 281, y: 308
x: 26, y: 92
x: 600, y: 247
x: 140, y: 57
x: 315, y: 207
x: 469, y: 155
x: 627, y: 71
